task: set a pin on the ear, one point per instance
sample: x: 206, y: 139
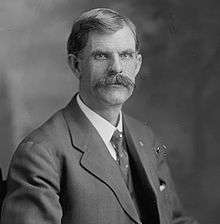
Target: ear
x: 138, y: 63
x: 73, y: 62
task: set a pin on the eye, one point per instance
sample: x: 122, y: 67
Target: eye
x: 127, y: 55
x: 100, y: 56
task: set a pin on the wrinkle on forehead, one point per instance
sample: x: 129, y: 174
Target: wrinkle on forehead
x: 121, y: 40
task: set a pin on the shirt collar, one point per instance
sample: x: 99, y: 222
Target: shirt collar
x: 104, y: 127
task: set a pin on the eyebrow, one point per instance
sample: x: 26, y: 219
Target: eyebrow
x: 98, y: 51
x: 129, y: 51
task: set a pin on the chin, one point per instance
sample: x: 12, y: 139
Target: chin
x: 114, y: 96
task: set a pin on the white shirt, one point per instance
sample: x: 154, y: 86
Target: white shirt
x: 104, y: 128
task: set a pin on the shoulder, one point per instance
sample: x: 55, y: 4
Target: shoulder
x: 50, y: 130
x: 49, y: 140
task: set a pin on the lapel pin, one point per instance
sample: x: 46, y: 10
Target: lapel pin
x: 141, y: 143
x: 160, y: 148
x: 164, y: 146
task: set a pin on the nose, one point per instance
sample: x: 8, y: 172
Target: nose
x: 115, y: 66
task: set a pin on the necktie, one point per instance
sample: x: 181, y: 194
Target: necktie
x: 123, y: 163
x: 122, y: 156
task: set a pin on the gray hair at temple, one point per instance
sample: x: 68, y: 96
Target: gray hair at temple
x: 102, y: 20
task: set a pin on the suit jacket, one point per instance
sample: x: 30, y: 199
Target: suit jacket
x: 63, y: 173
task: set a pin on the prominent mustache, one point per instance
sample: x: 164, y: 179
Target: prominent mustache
x: 118, y: 79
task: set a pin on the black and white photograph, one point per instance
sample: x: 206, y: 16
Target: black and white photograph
x: 109, y: 112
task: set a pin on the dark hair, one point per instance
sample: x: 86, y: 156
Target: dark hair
x: 101, y: 20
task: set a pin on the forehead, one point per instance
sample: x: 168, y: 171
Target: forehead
x: 122, y: 39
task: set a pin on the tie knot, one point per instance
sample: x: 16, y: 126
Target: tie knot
x: 117, y: 138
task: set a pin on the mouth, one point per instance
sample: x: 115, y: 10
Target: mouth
x: 118, y: 81
x: 116, y: 85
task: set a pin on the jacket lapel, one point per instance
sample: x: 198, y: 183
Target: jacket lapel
x: 95, y: 158
x: 141, y: 145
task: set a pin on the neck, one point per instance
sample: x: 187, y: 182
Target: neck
x: 108, y: 112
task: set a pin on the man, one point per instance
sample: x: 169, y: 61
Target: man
x: 90, y: 163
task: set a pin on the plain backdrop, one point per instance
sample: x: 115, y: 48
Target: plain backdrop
x: 177, y: 94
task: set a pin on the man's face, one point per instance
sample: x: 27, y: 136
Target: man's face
x: 107, y: 68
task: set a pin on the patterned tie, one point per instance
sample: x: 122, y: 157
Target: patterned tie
x: 122, y: 156
x: 123, y: 163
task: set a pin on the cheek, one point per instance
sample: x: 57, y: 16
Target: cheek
x: 98, y: 70
x: 99, y: 67
x: 92, y: 73
x: 129, y: 70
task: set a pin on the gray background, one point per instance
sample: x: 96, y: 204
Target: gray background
x: 178, y: 86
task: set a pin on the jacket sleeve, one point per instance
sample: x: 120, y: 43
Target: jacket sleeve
x: 32, y: 187
x: 178, y: 214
